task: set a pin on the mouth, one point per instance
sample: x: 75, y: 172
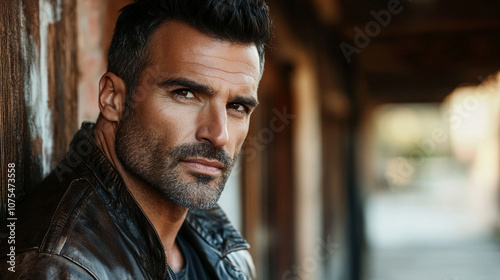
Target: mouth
x: 203, y: 166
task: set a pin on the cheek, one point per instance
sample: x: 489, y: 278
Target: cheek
x: 175, y: 128
x: 238, y: 132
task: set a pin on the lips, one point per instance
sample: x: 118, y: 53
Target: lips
x: 203, y: 166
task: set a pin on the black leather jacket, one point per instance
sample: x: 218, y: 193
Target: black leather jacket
x: 83, y: 223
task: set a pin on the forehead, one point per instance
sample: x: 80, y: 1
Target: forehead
x: 179, y: 49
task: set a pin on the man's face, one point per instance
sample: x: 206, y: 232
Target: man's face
x: 191, y: 115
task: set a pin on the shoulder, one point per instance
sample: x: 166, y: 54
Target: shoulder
x: 36, y: 265
x: 47, y: 213
x: 76, y: 239
x: 41, y: 228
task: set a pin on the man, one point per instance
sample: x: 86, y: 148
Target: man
x: 135, y: 197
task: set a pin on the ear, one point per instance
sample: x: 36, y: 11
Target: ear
x: 112, y: 96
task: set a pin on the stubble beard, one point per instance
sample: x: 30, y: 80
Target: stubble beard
x: 142, y: 153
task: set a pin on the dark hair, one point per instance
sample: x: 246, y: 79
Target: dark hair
x: 240, y: 21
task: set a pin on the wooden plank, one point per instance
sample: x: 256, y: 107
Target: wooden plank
x: 31, y: 52
x: 12, y: 120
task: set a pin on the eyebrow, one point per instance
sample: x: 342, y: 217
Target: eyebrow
x: 183, y: 82
x: 197, y: 87
x: 249, y: 101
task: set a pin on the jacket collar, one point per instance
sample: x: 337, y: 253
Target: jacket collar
x: 212, y: 226
x: 215, y: 229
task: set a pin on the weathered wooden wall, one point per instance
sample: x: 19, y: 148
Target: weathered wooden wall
x: 38, y: 101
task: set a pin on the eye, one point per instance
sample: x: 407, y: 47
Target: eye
x: 184, y: 93
x: 239, y: 108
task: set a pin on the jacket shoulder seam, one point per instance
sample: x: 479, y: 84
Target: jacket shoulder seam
x: 59, y: 222
x: 79, y: 264
x: 69, y: 260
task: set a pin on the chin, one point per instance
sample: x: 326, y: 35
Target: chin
x: 197, y: 204
x: 200, y: 192
x: 203, y: 178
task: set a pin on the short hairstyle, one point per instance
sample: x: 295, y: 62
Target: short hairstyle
x: 239, y: 21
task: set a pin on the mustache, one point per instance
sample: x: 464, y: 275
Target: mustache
x: 202, y: 149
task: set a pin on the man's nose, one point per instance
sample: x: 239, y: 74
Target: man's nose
x: 213, y: 126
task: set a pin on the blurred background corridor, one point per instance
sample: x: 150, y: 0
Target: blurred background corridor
x: 375, y: 152
x: 431, y: 207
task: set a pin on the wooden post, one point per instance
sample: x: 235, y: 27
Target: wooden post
x: 38, y: 90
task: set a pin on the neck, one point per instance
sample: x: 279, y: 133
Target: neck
x: 166, y: 216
